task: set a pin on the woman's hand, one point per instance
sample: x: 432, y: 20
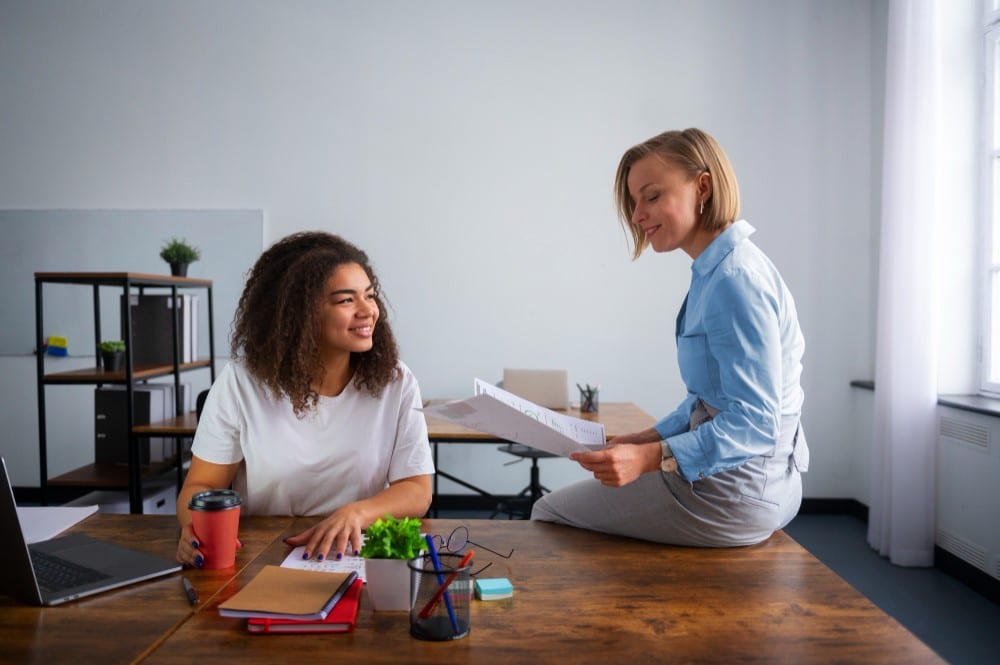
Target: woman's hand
x: 187, y: 548
x: 200, y: 477
x: 407, y: 497
x: 332, y: 536
x: 621, y: 462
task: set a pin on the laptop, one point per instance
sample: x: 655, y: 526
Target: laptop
x: 544, y: 387
x: 65, y: 568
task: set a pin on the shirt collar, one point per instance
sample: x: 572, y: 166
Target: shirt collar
x: 721, y: 246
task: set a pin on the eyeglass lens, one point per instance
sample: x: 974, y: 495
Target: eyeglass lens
x: 459, y: 538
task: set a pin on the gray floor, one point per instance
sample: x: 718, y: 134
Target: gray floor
x: 961, y: 625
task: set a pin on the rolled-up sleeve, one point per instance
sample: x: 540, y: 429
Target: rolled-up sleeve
x: 743, y: 371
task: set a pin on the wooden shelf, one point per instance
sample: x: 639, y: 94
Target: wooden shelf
x: 121, y: 476
x: 178, y: 426
x: 108, y: 476
x: 98, y: 375
x: 119, y: 279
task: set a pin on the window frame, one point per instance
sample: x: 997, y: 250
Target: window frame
x: 989, y: 341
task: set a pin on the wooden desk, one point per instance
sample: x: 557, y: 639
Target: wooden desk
x: 617, y: 417
x: 120, y: 626
x: 582, y: 597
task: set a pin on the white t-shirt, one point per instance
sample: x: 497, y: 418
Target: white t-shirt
x: 350, y: 447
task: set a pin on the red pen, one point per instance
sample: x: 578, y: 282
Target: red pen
x: 426, y: 612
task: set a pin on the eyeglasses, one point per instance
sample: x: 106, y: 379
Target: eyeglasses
x: 458, y: 539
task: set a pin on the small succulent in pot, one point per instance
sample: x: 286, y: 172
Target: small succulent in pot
x: 179, y: 253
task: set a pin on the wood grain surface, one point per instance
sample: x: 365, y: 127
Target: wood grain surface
x: 618, y: 418
x: 582, y: 597
x: 121, y: 625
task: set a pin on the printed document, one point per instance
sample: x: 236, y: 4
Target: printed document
x: 503, y: 414
x: 331, y: 565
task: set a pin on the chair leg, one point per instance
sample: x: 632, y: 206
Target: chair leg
x: 526, y: 497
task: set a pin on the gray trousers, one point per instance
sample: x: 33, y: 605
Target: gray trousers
x: 742, y: 506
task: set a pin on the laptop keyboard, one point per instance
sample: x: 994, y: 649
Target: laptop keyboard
x: 55, y: 574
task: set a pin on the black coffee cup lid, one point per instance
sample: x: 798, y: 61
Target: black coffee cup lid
x: 215, y: 500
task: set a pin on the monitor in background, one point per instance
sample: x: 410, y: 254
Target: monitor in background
x: 545, y: 387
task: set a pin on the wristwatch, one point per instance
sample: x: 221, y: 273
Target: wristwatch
x: 668, y: 463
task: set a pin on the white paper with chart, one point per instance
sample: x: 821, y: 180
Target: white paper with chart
x: 503, y: 414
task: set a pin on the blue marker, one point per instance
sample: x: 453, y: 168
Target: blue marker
x: 437, y: 569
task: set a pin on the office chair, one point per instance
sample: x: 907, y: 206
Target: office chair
x: 522, y: 502
x: 199, y: 406
x: 199, y: 403
x: 548, y: 388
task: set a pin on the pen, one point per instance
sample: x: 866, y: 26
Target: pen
x: 426, y: 612
x: 189, y: 590
x: 440, y: 578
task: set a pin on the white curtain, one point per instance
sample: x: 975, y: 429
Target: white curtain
x: 901, y: 514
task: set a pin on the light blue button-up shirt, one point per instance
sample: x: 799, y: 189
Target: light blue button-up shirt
x: 739, y: 348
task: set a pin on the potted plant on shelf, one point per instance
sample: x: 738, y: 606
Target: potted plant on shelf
x: 112, y: 354
x: 389, y: 545
x: 179, y: 254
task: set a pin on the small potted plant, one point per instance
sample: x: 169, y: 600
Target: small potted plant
x: 112, y: 355
x: 389, y: 545
x: 178, y: 253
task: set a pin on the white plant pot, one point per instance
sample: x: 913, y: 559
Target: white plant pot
x: 388, y: 582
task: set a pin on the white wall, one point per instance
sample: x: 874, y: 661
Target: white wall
x: 470, y: 148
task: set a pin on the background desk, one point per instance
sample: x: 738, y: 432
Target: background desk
x: 584, y: 597
x: 617, y: 417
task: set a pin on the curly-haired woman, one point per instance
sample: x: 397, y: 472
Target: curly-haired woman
x: 315, y: 414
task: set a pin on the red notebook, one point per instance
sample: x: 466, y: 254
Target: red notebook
x: 341, y: 618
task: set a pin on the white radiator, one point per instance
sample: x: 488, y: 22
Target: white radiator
x: 968, y: 492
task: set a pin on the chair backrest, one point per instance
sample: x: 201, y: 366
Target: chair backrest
x: 545, y: 387
x: 200, y: 403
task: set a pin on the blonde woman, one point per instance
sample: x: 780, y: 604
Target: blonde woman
x: 723, y: 468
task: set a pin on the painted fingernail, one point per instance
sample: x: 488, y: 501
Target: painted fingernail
x: 319, y: 558
x: 305, y: 555
x: 199, y: 561
x: 194, y: 543
x: 339, y: 557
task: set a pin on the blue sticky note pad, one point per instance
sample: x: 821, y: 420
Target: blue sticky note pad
x: 494, y: 588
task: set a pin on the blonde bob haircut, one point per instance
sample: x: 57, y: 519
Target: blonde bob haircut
x: 695, y: 152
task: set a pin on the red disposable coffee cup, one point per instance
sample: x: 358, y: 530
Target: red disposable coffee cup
x: 215, y: 519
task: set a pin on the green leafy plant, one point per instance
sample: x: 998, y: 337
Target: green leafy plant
x: 179, y: 251
x: 112, y: 345
x: 389, y: 538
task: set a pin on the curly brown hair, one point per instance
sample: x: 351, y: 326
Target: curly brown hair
x: 277, y: 326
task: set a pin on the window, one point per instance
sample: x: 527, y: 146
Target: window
x: 990, y: 344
